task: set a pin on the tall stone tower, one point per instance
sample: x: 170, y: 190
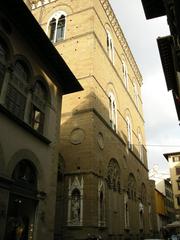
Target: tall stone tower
x: 103, y: 186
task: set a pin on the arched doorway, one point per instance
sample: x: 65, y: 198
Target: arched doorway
x: 22, y: 202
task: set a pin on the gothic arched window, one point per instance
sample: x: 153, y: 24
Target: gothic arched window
x: 143, y: 193
x: 125, y: 72
x: 131, y: 187
x: 129, y: 133
x: 101, y: 204
x: 112, y: 111
x: 17, y: 90
x: 39, y: 101
x: 113, y: 176
x: 126, y: 211
x: 140, y: 147
x: 136, y: 95
x: 110, y: 46
x: 141, y: 215
x: 56, y: 27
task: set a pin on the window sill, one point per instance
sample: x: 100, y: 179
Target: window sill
x: 24, y: 125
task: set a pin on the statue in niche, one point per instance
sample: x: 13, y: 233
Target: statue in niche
x: 75, y: 207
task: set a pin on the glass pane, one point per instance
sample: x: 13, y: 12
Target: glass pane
x: 52, y: 27
x: 37, y: 120
x: 60, y: 28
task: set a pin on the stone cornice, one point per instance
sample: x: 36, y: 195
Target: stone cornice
x: 118, y: 31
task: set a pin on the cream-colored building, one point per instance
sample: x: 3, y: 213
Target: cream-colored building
x: 33, y: 78
x: 103, y: 185
x: 174, y: 167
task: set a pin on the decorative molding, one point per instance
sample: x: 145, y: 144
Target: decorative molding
x: 75, y: 201
x: 118, y: 31
x: 113, y: 176
x: 37, y: 3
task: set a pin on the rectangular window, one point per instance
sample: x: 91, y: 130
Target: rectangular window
x: 177, y: 170
x: 37, y: 119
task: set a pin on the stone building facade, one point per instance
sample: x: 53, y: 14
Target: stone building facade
x: 30, y: 105
x: 174, y: 167
x: 103, y: 185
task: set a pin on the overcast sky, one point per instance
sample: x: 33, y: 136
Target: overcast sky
x: 161, y: 122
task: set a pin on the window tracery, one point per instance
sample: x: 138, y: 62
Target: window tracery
x: 132, y: 187
x: 56, y: 27
x: 113, y: 176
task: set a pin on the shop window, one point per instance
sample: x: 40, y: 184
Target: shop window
x: 22, y: 202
